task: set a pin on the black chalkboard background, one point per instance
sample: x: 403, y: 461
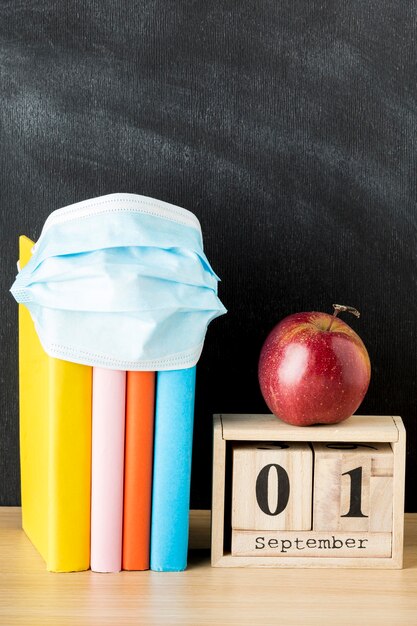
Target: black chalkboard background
x: 288, y: 127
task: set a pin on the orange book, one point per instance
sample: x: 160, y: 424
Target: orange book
x: 140, y: 401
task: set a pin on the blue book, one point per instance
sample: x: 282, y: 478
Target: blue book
x: 174, y: 420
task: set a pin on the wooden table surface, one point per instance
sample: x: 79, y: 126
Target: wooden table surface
x: 31, y: 596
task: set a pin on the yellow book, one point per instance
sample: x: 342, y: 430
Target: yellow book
x: 55, y: 448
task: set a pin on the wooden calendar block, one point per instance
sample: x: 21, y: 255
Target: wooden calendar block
x: 381, y: 497
x: 353, y: 487
x: 358, y: 493
x: 310, y: 544
x: 272, y: 486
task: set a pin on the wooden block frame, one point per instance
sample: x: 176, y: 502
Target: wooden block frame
x: 357, y: 429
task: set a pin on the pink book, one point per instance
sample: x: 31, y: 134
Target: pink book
x: 107, y: 466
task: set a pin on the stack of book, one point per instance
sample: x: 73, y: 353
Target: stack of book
x: 105, y: 460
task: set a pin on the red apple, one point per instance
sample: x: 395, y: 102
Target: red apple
x: 314, y: 369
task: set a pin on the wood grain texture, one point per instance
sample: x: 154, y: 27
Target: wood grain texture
x: 218, y: 491
x: 278, y: 478
x: 289, y: 128
x: 371, y: 503
x: 377, y: 428
x: 201, y: 596
x: 399, y: 450
x: 267, y: 427
x: 333, y: 545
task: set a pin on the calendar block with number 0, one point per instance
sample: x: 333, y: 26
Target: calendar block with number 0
x: 326, y: 496
x: 269, y: 486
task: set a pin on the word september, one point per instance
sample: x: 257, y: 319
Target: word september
x: 286, y: 545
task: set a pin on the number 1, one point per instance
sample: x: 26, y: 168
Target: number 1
x: 355, y: 493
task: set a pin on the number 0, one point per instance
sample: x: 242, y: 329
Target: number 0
x: 283, y: 490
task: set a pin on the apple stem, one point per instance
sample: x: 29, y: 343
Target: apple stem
x: 338, y: 308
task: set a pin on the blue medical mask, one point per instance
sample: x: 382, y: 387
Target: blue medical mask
x: 121, y: 281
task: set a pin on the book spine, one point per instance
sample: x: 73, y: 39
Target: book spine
x: 108, y: 431
x: 33, y: 424
x: 55, y: 448
x: 174, y: 418
x: 140, y: 401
